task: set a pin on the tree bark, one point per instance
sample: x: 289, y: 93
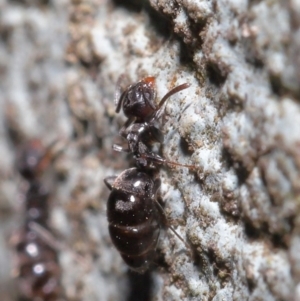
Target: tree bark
x: 238, y: 123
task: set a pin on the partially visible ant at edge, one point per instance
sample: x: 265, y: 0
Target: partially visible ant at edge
x: 134, y: 212
x: 37, y: 267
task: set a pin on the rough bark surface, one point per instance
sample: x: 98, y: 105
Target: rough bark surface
x: 238, y: 123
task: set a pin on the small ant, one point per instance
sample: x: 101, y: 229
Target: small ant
x: 134, y: 214
x: 38, y: 268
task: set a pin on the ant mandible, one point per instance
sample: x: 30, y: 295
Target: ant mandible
x: 139, y: 130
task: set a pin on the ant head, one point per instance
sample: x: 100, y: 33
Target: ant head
x: 32, y: 159
x: 138, y: 99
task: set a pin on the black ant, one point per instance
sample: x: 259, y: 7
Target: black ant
x: 38, y: 268
x: 134, y: 214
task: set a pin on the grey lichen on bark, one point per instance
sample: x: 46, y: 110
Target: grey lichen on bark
x: 238, y: 123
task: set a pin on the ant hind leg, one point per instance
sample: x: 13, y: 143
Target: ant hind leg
x: 167, y: 225
x: 156, y: 159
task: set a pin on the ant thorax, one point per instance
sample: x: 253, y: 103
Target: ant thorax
x: 140, y: 130
x: 140, y: 138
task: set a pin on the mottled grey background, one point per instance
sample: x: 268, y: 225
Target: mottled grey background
x: 239, y: 122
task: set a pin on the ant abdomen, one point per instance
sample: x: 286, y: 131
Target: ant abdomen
x: 133, y: 217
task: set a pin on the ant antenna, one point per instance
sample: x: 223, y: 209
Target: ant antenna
x: 166, y: 97
x: 173, y: 91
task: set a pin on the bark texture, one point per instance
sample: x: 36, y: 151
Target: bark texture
x: 239, y: 123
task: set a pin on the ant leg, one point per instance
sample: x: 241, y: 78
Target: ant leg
x: 166, y: 97
x: 46, y: 236
x: 157, y: 159
x: 120, y: 149
x: 109, y: 181
x: 53, y: 243
x: 193, y: 167
x: 118, y: 99
x: 128, y: 122
x: 158, y: 234
x: 157, y: 183
x: 162, y: 212
x: 123, y: 133
x: 156, y: 134
x: 149, y: 159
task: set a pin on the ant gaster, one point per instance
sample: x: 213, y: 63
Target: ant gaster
x: 134, y: 213
x: 135, y: 217
x: 132, y: 217
x: 139, y: 130
x: 38, y: 269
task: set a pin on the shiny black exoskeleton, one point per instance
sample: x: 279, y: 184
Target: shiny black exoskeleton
x: 133, y: 217
x: 137, y: 100
x: 37, y: 262
x: 134, y: 214
x: 139, y: 130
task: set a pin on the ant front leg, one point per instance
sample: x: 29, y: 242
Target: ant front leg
x: 156, y: 186
x: 123, y: 133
